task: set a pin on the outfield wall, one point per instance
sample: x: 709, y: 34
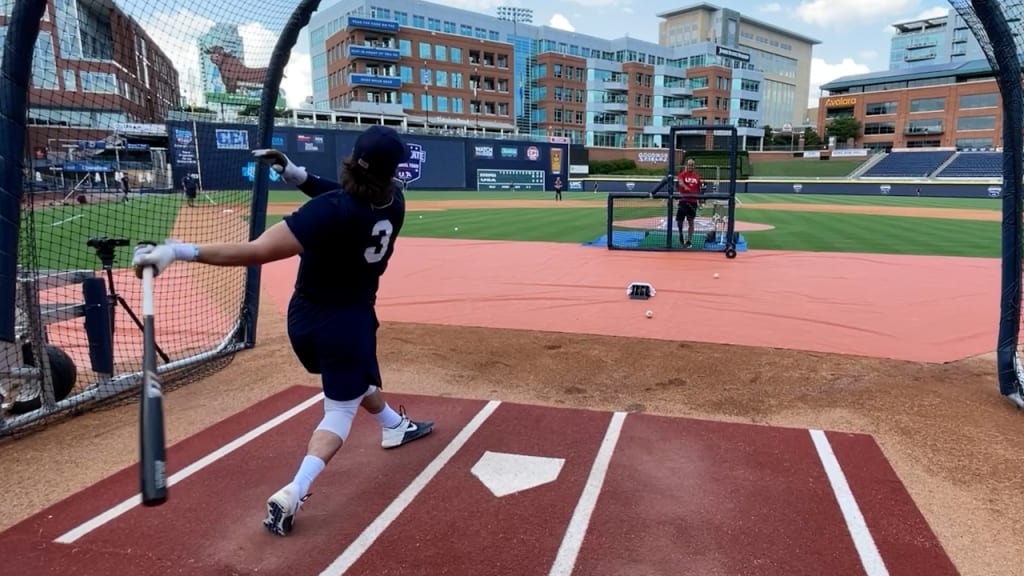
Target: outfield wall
x: 221, y: 153
x: 970, y: 189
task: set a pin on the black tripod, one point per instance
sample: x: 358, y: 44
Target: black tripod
x: 105, y: 251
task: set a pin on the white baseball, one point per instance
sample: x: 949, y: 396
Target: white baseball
x: 650, y: 314
x: 716, y: 275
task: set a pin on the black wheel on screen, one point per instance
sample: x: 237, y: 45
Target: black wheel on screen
x: 730, y: 252
x: 63, y: 370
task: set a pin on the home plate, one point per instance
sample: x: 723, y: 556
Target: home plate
x: 505, y: 474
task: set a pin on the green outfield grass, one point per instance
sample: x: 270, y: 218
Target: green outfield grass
x: 806, y: 231
x: 61, y: 232
x: 879, y: 200
x: 804, y: 168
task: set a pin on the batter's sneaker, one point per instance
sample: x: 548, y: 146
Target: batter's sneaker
x: 405, y: 432
x: 281, y: 509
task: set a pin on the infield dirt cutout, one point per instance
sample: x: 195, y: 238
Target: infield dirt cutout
x: 278, y: 209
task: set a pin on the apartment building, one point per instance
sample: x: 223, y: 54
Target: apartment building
x: 446, y: 67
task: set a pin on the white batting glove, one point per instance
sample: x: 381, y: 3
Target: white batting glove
x: 159, y: 257
x: 280, y: 163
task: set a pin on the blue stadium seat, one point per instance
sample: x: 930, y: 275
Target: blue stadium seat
x: 974, y: 165
x: 908, y: 164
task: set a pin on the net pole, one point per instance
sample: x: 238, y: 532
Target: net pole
x: 15, y: 73
x: 265, y: 137
x: 1003, y: 54
x: 733, y: 153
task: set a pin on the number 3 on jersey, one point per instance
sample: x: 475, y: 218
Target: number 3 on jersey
x: 380, y: 239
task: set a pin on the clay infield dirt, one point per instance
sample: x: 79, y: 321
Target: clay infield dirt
x: 951, y: 439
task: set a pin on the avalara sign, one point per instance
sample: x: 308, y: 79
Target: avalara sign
x: 840, y: 101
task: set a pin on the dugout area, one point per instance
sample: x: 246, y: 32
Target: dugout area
x: 648, y: 221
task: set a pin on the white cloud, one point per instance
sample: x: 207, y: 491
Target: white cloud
x: 823, y: 72
x: 561, y: 22
x: 936, y: 12
x: 770, y: 7
x: 837, y: 12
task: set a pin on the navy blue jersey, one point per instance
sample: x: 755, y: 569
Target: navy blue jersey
x: 346, y: 244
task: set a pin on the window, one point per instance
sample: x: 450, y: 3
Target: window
x: 975, y: 143
x: 440, y: 52
x: 426, y: 102
x: 406, y: 74
x: 405, y: 46
x: 407, y: 100
x: 424, y: 50
x: 969, y: 101
x: 456, y: 79
x: 70, y: 82
x: 965, y: 123
x: 457, y: 105
x: 419, y: 21
x: 441, y: 78
x: 442, y: 103
x: 881, y: 108
x: 44, y: 65
x: 100, y: 82
x: 927, y: 105
x: 929, y: 126
x: 455, y: 55
x: 434, y: 24
x: 874, y: 128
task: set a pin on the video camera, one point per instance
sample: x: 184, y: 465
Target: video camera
x: 104, y: 247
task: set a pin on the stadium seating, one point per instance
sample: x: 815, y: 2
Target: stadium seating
x: 974, y: 165
x: 908, y: 164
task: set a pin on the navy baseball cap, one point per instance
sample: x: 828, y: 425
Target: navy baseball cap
x: 379, y: 150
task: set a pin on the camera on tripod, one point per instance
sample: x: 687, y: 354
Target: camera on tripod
x: 106, y: 251
x: 104, y: 247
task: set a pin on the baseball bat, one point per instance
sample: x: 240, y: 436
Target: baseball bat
x: 153, y: 448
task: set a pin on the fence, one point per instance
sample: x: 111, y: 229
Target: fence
x: 84, y: 177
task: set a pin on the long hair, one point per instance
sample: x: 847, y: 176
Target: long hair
x: 365, y: 185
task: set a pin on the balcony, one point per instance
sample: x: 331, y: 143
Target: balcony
x: 657, y: 129
x: 615, y: 85
x: 358, y: 23
x: 609, y: 106
x: 377, y: 81
x: 606, y: 127
x: 374, y: 53
x: 673, y: 111
x: 677, y: 90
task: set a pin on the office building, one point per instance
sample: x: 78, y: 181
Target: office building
x: 932, y: 41
x: 783, y: 57
x: 451, y: 68
x: 93, y: 69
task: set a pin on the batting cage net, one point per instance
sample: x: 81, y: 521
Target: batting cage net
x: 694, y: 205
x: 998, y: 26
x: 135, y: 122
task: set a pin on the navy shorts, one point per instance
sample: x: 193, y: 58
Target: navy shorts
x: 338, y: 343
x: 686, y: 210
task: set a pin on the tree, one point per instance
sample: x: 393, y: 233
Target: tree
x: 844, y: 128
x: 769, y: 135
x: 811, y: 138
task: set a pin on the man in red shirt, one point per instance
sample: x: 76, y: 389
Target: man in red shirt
x: 689, y: 185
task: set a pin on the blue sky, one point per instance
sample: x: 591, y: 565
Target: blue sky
x: 854, y: 33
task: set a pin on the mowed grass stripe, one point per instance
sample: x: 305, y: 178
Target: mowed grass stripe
x: 864, y: 233
x: 847, y: 200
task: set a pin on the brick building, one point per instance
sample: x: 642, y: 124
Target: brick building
x: 439, y: 79
x: 950, y: 105
x: 104, y: 71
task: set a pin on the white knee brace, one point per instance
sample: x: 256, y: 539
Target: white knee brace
x: 338, y: 416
